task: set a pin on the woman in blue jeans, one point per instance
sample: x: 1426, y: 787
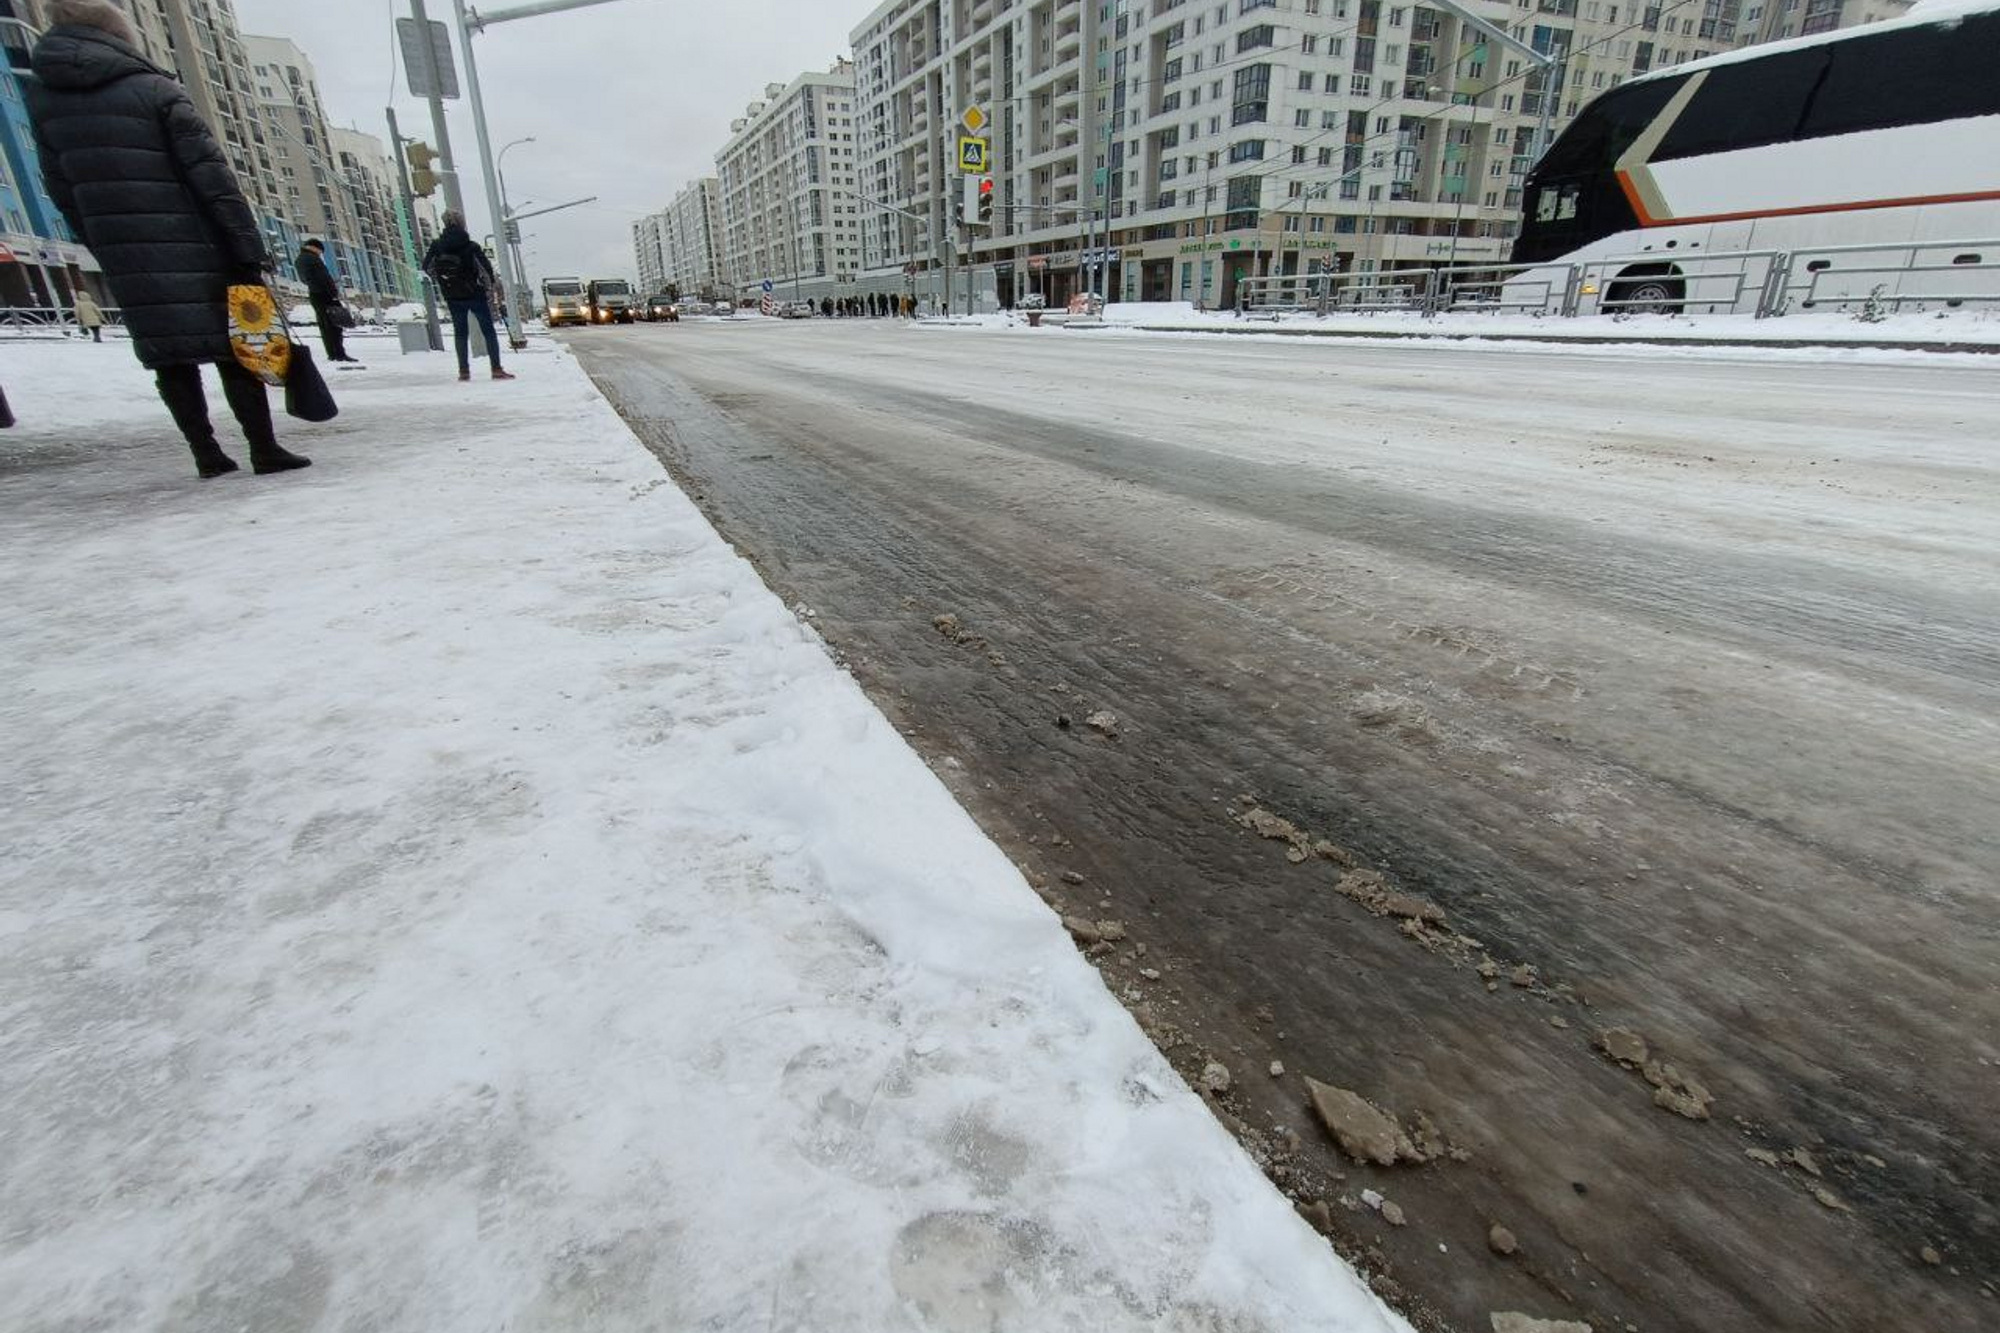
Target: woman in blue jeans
x: 463, y: 273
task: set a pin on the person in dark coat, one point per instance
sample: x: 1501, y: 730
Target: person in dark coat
x: 324, y: 293
x: 141, y: 180
x: 464, y: 277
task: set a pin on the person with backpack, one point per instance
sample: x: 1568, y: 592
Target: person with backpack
x: 462, y: 273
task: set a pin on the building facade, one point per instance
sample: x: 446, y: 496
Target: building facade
x: 693, y: 241
x: 649, y: 252
x: 1168, y: 149
x: 785, y: 180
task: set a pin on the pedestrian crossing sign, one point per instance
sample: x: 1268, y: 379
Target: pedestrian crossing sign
x: 972, y: 155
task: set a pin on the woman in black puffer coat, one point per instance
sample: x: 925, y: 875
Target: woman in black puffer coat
x: 144, y: 184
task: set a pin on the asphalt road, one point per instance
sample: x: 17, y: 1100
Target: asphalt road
x: 1671, y: 682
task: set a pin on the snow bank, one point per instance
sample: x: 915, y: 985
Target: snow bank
x: 447, y: 891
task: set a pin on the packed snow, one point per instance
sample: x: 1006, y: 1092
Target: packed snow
x: 446, y: 890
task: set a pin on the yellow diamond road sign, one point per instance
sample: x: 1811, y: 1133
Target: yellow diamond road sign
x: 972, y: 156
x: 974, y: 120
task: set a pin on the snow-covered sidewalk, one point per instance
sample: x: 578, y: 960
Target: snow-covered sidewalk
x: 445, y: 890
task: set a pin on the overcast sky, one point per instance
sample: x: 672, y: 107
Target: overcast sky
x: 628, y: 100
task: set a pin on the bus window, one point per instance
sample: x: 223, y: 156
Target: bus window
x: 1596, y: 139
x: 1746, y: 105
x: 1911, y: 76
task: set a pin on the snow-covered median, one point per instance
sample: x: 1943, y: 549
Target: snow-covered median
x: 445, y: 890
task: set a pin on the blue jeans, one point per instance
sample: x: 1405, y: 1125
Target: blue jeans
x: 481, y: 309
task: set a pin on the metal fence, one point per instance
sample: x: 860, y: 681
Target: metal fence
x: 28, y: 321
x: 1877, y: 278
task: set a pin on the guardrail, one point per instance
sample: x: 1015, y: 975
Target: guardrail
x: 1875, y: 278
x: 25, y: 321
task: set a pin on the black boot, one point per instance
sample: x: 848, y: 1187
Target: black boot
x: 211, y: 463
x: 180, y: 390
x: 275, y: 458
x: 252, y: 407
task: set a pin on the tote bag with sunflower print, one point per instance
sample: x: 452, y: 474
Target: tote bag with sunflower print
x: 262, y: 347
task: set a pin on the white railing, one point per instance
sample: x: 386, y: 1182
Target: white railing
x: 1760, y: 283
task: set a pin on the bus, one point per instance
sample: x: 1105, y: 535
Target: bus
x: 610, y: 301
x: 1885, y: 135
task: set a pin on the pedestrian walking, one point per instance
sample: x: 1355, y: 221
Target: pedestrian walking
x: 141, y: 180
x: 324, y: 293
x: 465, y: 278
x: 89, y: 317
x: 826, y: 307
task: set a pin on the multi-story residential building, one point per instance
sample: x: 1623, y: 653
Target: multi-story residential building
x: 205, y: 43
x: 1775, y: 20
x: 649, y: 251
x: 786, y: 178
x: 692, y: 238
x: 391, y: 247
x: 1184, y: 146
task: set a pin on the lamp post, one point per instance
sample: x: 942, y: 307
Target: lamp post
x: 510, y: 231
x: 467, y: 26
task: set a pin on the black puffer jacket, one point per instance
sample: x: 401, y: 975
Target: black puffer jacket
x: 144, y: 184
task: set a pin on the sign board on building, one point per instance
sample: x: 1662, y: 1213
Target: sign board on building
x: 418, y: 67
x: 972, y: 155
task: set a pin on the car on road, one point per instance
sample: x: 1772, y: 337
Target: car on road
x: 724, y: 308
x: 660, y: 308
x: 798, y: 310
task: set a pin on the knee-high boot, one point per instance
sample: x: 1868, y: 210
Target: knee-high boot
x: 180, y: 390
x: 252, y: 407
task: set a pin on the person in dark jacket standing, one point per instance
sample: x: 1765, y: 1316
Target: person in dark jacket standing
x: 324, y: 293
x: 463, y: 275
x: 143, y: 183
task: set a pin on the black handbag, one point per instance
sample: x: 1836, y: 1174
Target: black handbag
x: 306, y: 394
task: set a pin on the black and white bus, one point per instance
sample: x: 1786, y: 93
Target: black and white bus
x: 1887, y: 135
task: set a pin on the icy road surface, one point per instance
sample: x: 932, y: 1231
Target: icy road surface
x: 445, y: 892
x: 1653, y: 691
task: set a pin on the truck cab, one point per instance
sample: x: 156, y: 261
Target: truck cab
x: 563, y: 302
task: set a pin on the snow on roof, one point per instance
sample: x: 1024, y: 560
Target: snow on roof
x: 1922, y: 13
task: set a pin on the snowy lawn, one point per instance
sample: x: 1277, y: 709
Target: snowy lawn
x: 445, y: 890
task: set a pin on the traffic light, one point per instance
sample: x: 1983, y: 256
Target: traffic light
x: 419, y: 155
x: 985, y: 201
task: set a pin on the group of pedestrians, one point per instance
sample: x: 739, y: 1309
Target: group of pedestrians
x: 140, y: 178
x: 874, y: 305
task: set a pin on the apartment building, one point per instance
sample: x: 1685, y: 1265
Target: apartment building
x: 390, y: 246
x: 692, y: 239
x: 649, y: 251
x: 1172, y: 148
x: 785, y: 178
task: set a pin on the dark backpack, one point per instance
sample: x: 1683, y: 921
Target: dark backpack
x: 457, y: 280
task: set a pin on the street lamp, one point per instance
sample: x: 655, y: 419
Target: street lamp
x: 510, y: 232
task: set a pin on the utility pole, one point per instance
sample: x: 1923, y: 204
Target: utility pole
x: 436, y: 335
x: 467, y: 26
x: 448, y: 173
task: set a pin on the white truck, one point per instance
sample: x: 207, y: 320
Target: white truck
x: 563, y: 302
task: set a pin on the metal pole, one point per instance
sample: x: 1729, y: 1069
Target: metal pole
x: 424, y: 284
x: 510, y: 232
x: 508, y: 280
x: 448, y: 172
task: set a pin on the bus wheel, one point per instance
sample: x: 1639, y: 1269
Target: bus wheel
x: 1654, y: 294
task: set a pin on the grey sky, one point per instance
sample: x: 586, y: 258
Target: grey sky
x: 627, y: 101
